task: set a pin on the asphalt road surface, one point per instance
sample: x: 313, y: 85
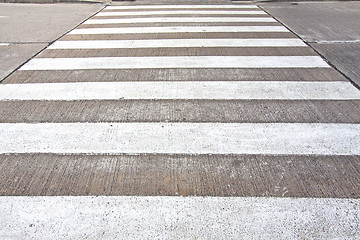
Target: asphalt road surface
x: 193, y: 120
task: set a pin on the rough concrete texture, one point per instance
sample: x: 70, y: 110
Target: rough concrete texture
x: 344, y: 55
x: 178, y: 218
x: 179, y: 175
x: 14, y: 55
x: 332, y: 28
x: 41, y: 23
x: 27, y: 29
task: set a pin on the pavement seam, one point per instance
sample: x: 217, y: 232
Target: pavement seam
x: 309, y: 45
x: 49, y: 43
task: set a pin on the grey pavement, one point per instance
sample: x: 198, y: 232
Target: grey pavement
x: 27, y: 29
x: 197, y: 128
x: 331, y: 28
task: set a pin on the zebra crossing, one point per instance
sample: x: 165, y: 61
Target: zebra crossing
x: 176, y: 121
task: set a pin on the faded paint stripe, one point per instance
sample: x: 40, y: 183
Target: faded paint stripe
x: 180, y: 7
x: 4, y: 44
x: 173, y: 43
x: 180, y: 20
x: 176, y: 62
x: 66, y: 217
x: 203, y: 29
x: 180, y: 12
x: 181, y: 138
x: 180, y: 90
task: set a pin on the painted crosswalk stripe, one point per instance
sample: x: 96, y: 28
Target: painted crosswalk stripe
x: 176, y: 62
x: 181, y: 138
x: 181, y: 12
x: 191, y: 29
x: 171, y: 43
x: 178, y: 217
x: 180, y: 90
x: 180, y: 7
x: 178, y: 20
x: 218, y: 116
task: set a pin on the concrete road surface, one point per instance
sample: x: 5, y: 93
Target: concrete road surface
x: 332, y: 28
x: 179, y: 120
x: 26, y: 29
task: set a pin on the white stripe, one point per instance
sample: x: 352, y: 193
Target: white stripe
x: 4, y: 44
x: 123, y: 217
x: 179, y: 90
x: 202, y: 29
x: 176, y: 19
x: 176, y: 62
x: 179, y: 7
x: 179, y: 12
x: 170, y: 43
x: 181, y: 138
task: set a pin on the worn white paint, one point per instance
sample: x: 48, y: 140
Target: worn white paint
x: 338, y: 41
x: 180, y: 20
x: 169, y: 43
x: 128, y: 217
x: 181, y: 138
x: 176, y: 62
x: 4, y: 44
x: 180, y: 12
x: 234, y: 6
x: 180, y: 90
x: 202, y: 29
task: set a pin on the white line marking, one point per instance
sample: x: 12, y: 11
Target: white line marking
x: 173, y: 43
x: 176, y: 62
x: 339, y: 41
x: 178, y: 20
x: 202, y: 29
x: 129, y: 217
x: 180, y: 12
x: 180, y: 7
x: 179, y: 90
x: 181, y: 138
x: 4, y: 44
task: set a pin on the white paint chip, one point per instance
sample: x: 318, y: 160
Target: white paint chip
x: 201, y: 29
x: 176, y: 62
x: 180, y: 20
x: 181, y: 138
x: 171, y: 43
x: 181, y: 7
x: 180, y: 12
x: 122, y: 217
x: 180, y: 90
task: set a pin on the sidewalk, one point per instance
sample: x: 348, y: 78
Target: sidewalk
x: 26, y: 29
x: 331, y: 28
